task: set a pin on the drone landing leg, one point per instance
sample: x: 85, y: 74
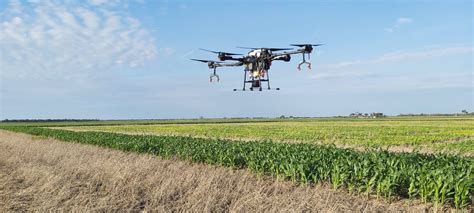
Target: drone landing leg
x: 245, y: 79
x: 268, y: 81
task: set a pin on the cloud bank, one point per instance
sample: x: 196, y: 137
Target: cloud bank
x: 47, y: 39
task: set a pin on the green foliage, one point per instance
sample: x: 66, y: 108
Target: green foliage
x: 433, y: 178
x: 438, y: 134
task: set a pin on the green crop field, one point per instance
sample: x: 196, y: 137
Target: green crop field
x: 306, y: 151
x: 441, y: 179
x: 448, y: 134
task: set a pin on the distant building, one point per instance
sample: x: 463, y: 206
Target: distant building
x: 376, y: 115
x: 357, y: 115
x: 366, y: 115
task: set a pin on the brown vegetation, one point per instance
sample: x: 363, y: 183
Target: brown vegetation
x: 45, y: 174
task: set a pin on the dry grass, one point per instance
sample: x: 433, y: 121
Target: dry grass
x: 46, y: 174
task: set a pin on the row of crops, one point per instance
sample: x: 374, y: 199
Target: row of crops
x: 441, y: 179
x: 433, y: 134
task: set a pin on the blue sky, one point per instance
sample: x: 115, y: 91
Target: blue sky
x: 129, y: 59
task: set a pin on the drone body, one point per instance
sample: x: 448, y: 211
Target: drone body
x: 257, y: 63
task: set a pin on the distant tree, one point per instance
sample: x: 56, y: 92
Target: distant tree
x: 282, y: 117
x: 465, y: 112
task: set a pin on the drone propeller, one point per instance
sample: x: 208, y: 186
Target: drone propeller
x: 205, y: 61
x: 304, y: 45
x: 216, y: 52
x: 271, y: 49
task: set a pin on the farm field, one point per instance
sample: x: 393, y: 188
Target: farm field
x: 298, y: 152
x: 42, y: 174
x: 454, y: 135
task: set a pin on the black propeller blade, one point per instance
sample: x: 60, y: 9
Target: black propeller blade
x: 303, y: 45
x: 216, y: 52
x: 271, y: 49
x: 206, y: 61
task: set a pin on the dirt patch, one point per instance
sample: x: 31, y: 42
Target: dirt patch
x: 46, y: 174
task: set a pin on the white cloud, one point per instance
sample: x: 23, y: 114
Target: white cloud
x: 417, y: 82
x: 367, y: 69
x: 166, y: 51
x: 344, y: 64
x: 412, y: 55
x: 343, y: 74
x: 404, y: 55
x: 91, y: 20
x: 102, y: 2
x: 65, y: 40
x: 398, y: 24
x: 15, y: 6
x: 404, y: 21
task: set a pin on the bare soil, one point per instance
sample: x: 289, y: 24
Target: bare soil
x: 40, y: 174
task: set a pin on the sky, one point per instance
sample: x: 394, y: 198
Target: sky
x: 129, y: 59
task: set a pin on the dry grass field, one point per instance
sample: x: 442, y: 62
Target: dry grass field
x: 38, y: 174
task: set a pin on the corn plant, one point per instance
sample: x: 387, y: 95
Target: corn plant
x: 432, y: 178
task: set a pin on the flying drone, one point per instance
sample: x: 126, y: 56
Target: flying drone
x: 257, y: 63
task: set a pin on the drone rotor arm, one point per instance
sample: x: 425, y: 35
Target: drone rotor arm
x: 236, y: 64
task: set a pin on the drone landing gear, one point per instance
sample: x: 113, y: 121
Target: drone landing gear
x: 257, y: 89
x: 256, y: 84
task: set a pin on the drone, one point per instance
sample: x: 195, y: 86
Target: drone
x: 257, y: 63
